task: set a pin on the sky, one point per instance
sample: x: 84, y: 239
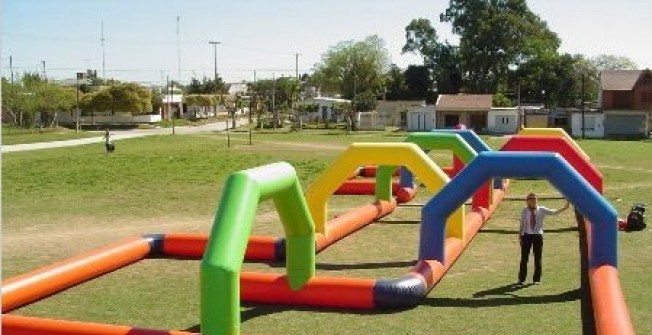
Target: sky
x: 144, y: 43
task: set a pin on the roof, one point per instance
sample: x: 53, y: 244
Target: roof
x: 326, y: 99
x: 619, y: 80
x: 466, y: 102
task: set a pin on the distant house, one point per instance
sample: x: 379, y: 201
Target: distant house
x: 626, y: 100
x: 172, y: 105
x: 469, y: 109
x: 327, y: 109
x: 421, y: 118
x: 238, y: 88
x: 503, y: 120
x: 393, y: 113
x: 593, y: 121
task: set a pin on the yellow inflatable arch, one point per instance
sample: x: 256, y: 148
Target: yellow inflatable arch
x: 387, y: 154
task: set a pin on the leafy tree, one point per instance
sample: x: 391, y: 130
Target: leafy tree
x: 285, y: 90
x: 441, y: 59
x: 495, y: 34
x: 419, y: 84
x: 352, y: 67
x: 365, y: 102
x: 551, y: 79
x: 31, y: 94
x: 157, y: 101
x: 397, y: 89
x: 612, y: 62
x: 122, y: 98
x: 206, y: 86
x: 501, y: 100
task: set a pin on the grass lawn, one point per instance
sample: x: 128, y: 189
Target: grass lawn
x: 12, y: 136
x: 60, y: 202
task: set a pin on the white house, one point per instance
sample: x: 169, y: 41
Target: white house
x: 593, y: 124
x: 421, y: 118
x: 503, y: 120
x: 326, y: 109
x: 237, y: 88
x: 172, y: 105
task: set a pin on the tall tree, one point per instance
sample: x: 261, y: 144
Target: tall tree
x: 441, y: 59
x: 495, y: 34
x: 613, y: 62
x: 397, y: 88
x: 420, y: 86
x: 353, y: 67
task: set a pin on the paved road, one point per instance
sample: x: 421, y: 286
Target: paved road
x: 122, y: 134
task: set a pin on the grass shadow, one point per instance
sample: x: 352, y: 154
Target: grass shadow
x: 515, y: 232
x: 256, y: 310
x: 365, y: 266
x: 510, y: 300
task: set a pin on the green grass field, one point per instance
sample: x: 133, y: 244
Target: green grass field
x: 60, y: 202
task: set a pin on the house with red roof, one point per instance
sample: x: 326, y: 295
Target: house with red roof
x: 625, y: 98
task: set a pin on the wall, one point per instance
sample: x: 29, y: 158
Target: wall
x: 503, y: 121
x: 593, y: 125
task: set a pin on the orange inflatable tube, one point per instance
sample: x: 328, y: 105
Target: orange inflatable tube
x: 23, y: 325
x: 38, y: 284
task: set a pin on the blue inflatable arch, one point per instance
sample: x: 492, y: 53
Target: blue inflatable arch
x: 550, y: 166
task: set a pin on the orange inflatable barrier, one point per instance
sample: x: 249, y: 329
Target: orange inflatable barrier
x: 23, y: 325
x: 38, y: 284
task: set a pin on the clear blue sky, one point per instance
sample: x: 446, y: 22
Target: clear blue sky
x: 264, y: 35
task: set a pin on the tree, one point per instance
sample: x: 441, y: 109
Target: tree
x: 495, y: 34
x: 396, y: 89
x: 612, y: 62
x: 501, y: 100
x: 441, y: 59
x: 285, y: 90
x: 353, y: 67
x: 206, y: 86
x: 121, y: 98
x: 31, y: 94
x: 419, y: 84
x: 157, y: 101
x: 551, y: 79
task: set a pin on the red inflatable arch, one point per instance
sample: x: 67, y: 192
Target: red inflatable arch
x: 564, y: 148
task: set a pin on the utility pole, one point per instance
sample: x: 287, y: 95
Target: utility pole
x: 253, y: 102
x: 215, y: 43
x: 296, y: 65
x: 11, y: 68
x: 273, y: 101
x: 582, y: 106
x: 103, y: 53
x: 518, y: 98
x: 44, y: 74
x: 178, y: 50
x: 80, y: 75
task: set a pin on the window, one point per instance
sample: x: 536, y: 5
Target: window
x: 646, y: 100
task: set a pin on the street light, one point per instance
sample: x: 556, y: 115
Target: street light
x: 215, y: 43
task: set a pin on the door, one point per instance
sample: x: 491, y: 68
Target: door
x: 451, y: 120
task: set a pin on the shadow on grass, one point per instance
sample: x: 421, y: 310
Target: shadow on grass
x: 509, y: 300
x: 255, y: 311
x: 398, y: 222
x: 356, y: 266
x: 360, y: 266
x: 514, y: 232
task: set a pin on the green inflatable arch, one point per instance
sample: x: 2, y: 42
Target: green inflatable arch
x: 225, y: 250
x: 427, y: 142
